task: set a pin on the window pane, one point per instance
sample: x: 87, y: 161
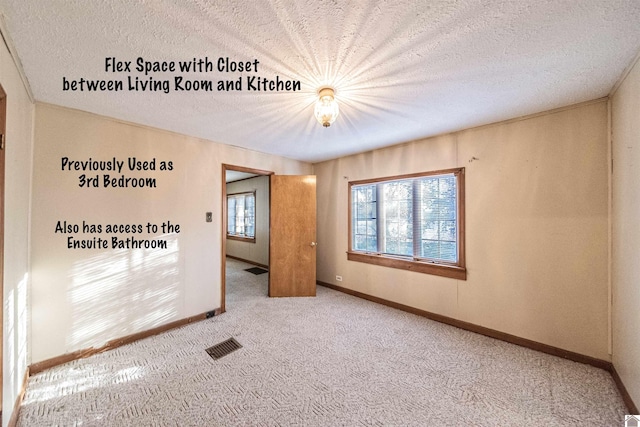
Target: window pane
x: 372, y: 236
x: 448, y: 231
x: 448, y: 251
x: 249, y: 215
x: 430, y: 249
x: 438, y: 224
x: 363, y: 211
x: 397, y: 199
x: 430, y: 230
x: 359, y: 242
x: 231, y: 215
x: 240, y: 215
x: 371, y: 209
x: 241, y: 211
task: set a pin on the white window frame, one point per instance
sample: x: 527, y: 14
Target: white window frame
x: 248, y: 218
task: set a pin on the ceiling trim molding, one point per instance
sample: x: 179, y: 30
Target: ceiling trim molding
x: 14, y: 55
x: 624, y: 74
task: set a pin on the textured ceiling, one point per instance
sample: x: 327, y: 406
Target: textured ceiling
x: 402, y: 70
x: 232, y: 176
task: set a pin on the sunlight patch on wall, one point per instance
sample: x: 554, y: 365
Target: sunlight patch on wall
x: 22, y: 340
x: 10, y: 340
x: 15, y: 318
x: 124, y: 291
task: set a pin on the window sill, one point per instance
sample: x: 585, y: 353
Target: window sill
x: 451, y: 271
x: 241, y: 239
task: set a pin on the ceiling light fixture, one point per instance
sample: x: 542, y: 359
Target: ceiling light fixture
x: 326, y: 110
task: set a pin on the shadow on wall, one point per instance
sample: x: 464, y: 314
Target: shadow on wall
x: 124, y: 291
x: 16, y: 320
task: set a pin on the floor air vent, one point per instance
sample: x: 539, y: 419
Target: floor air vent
x: 223, y: 348
x: 256, y: 270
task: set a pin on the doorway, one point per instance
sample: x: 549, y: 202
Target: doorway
x: 292, y: 234
x: 246, y: 187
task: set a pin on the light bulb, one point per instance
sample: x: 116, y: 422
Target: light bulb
x: 326, y: 110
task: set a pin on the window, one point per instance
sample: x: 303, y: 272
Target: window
x: 241, y: 216
x: 414, y: 222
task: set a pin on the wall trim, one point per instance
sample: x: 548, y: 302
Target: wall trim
x: 115, y: 343
x: 503, y: 336
x: 241, y: 239
x: 13, y: 421
x: 266, y: 267
x: 626, y: 397
x: 609, y: 228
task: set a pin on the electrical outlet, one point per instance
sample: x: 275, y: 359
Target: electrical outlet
x: 339, y: 278
x: 209, y: 216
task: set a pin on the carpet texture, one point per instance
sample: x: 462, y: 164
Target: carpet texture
x: 332, y: 360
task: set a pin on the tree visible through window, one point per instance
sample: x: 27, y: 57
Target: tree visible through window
x: 413, y: 221
x: 241, y: 215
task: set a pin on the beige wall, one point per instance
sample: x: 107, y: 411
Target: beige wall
x: 18, y: 160
x: 625, y: 107
x: 85, y: 297
x: 537, y: 227
x: 257, y: 252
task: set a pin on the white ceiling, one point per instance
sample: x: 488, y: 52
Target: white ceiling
x: 232, y: 176
x: 402, y: 70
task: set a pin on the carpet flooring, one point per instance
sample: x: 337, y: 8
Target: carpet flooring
x: 332, y: 360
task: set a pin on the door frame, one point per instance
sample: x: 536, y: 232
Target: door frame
x: 3, y: 132
x: 223, y: 252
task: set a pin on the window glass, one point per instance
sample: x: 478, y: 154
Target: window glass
x: 397, y: 199
x: 364, y: 218
x: 438, y: 221
x: 241, y: 212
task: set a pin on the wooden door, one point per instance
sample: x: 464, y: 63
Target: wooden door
x: 292, y: 248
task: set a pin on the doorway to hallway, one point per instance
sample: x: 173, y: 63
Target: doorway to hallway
x: 246, y: 229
